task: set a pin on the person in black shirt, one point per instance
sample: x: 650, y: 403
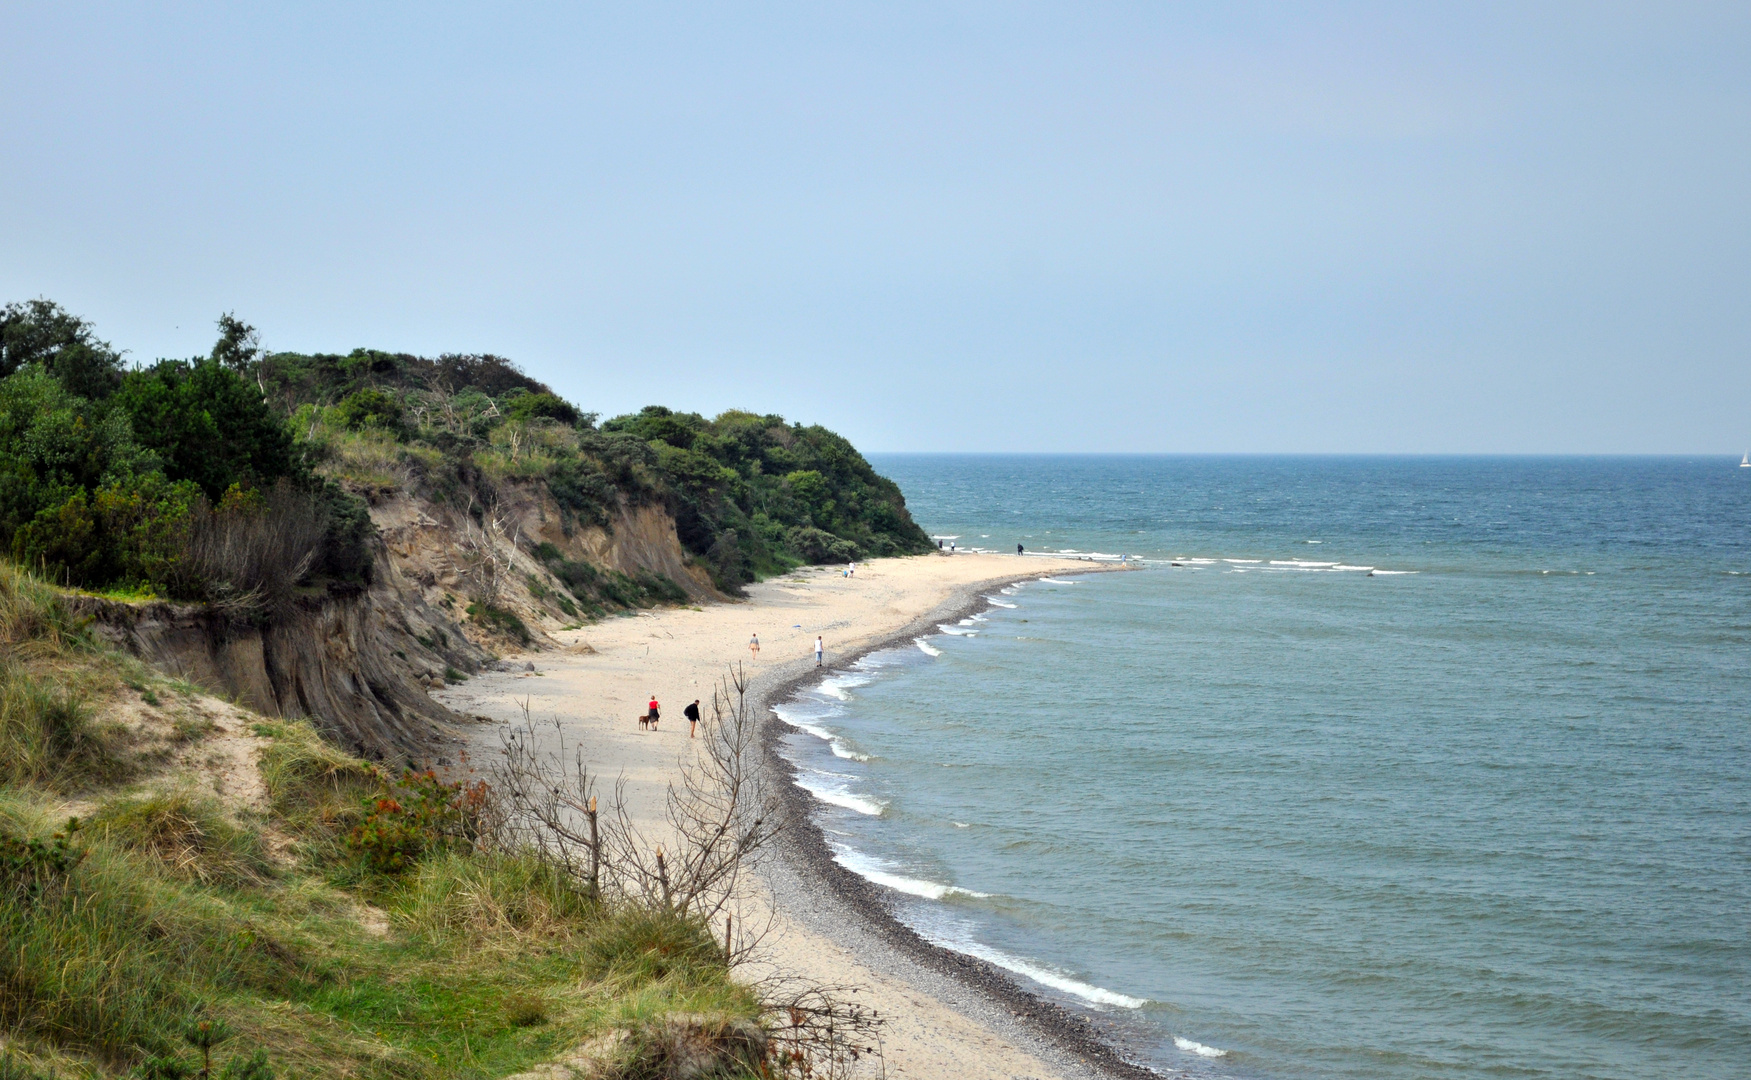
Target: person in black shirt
x: 691, y: 712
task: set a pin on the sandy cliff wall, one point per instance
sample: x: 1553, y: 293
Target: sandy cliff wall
x: 442, y: 551
x: 360, y: 663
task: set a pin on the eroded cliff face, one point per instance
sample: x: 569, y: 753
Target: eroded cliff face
x: 334, y: 658
x: 456, y: 555
x: 360, y: 663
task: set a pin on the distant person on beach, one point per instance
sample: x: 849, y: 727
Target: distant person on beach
x: 653, y: 716
x: 939, y: 545
x: 691, y: 712
x: 1018, y: 550
x: 754, y: 646
x: 819, y: 649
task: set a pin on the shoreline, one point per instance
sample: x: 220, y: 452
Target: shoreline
x: 947, y: 1014
x: 803, y: 847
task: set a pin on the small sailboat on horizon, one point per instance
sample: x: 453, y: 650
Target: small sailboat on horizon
x: 1745, y: 462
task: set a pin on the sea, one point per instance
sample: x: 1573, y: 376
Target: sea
x: 1429, y: 767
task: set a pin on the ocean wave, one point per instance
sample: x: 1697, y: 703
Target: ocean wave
x: 1094, y: 995
x: 1341, y: 566
x: 834, y: 741
x: 843, y: 799
x: 1011, y: 590
x: 1199, y: 1048
x: 1244, y: 562
x: 956, y: 631
x: 1393, y: 573
x: 880, y: 872
x: 836, y: 685
x: 1302, y: 564
x: 1055, y: 581
x: 994, y: 602
x: 926, y: 647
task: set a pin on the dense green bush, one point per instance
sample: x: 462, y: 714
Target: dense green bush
x: 139, y: 479
x: 421, y: 814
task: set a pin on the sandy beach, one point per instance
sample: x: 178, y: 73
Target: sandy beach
x: 944, y: 1015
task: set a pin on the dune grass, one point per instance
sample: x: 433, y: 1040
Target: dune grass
x: 167, y: 908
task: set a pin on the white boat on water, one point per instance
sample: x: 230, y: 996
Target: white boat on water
x: 1745, y: 462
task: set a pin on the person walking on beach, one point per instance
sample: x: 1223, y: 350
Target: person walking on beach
x: 1018, y: 549
x: 653, y: 715
x: 754, y: 646
x: 819, y: 649
x: 691, y: 712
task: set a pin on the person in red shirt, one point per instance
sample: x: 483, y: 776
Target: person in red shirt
x: 653, y: 715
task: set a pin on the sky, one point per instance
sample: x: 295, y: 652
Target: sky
x: 1285, y: 228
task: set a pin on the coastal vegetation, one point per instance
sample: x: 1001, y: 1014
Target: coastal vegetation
x: 242, y: 476
x: 317, y: 915
x: 191, y: 889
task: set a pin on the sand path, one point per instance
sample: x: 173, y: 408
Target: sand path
x: 934, y: 1026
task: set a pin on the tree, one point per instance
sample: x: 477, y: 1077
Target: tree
x: 238, y: 346
x: 208, y: 424
x: 40, y: 332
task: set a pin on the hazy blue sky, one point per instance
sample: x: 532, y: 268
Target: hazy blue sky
x: 1008, y: 226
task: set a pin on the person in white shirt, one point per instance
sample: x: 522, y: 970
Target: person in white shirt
x: 819, y: 649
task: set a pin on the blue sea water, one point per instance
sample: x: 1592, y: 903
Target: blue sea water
x: 1482, y: 813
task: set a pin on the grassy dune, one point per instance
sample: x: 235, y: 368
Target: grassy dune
x: 258, y: 911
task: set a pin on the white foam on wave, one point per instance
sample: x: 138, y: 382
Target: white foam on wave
x: 872, y: 869
x: 1057, y: 980
x: 834, y: 742
x: 837, y: 685
x: 956, y: 631
x: 1302, y: 564
x: 1197, y: 561
x: 1199, y: 1048
x: 926, y: 647
x: 1341, y: 566
x: 994, y: 602
x: 834, y: 796
x: 1394, y: 573
x: 1243, y: 562
x: 1055, y: 581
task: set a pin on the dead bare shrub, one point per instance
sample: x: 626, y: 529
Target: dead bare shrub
x: 247, y: 554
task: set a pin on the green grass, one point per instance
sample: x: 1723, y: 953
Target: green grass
x: 176, y: 909
x: 492, y: 962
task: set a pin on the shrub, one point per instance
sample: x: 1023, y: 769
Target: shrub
x: 500, y: 619
x: 541, y: 406
x: 208, y: 424
x: 372, y: 408
x: 421, y: 814
x: 250, y: 551
x: 817, y: 546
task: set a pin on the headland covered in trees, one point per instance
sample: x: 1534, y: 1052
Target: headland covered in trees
x: 242, y: 476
